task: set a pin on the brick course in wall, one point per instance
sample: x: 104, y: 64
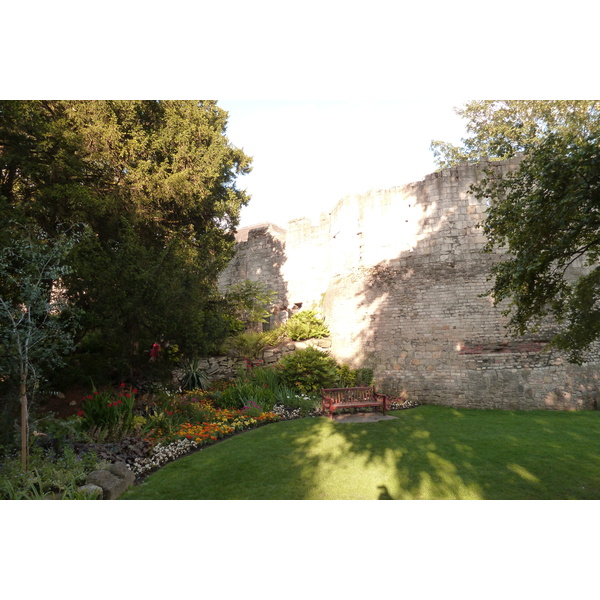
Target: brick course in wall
x: 401, y: 279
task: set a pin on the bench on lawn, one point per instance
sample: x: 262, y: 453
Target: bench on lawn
x: 352, y: 398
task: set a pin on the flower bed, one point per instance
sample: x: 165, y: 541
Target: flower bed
x: 192, y: 436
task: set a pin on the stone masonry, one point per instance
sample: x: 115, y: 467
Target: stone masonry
x: 400, y: 277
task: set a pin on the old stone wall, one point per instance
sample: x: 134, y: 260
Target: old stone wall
x: 400, y: 277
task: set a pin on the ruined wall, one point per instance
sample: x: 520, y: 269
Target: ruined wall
x: 399, y: 274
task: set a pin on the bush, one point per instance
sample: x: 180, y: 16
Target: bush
x: 308, y: 370
x: 306, y: 325
x: 244, y: 393
x: 193, y: 376
x: 168, y: 412
x: 108, y: 416
x: 47, y: 472
x: 348, y: 377
x: 247, y: 345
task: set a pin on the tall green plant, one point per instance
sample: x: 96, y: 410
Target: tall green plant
x: 305, y: 325
x: 194, y: 377
x: 36, y: 325
x: 308, y: 370
x: 108, y: 413
x: 249, y: 344
x: 249, y: 302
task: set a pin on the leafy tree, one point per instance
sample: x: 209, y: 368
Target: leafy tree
x: 36, y: 326
x: 499, y: 129
x: 546, y: 215
x: 249, y: 301
x: 154, y: 185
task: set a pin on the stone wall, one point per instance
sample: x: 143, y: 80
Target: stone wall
x: 228, y: 367
x: 399, y: 275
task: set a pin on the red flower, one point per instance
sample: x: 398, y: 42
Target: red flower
x: 122, y: 385
x: 134, y: 391
x: 80, y: 413
x: 127, y: 395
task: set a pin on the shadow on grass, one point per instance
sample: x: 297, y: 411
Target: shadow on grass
x: 426, y: 453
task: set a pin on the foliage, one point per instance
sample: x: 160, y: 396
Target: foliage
x: 305, y: 325
x: 248, y: 302
x: 193, y: 376
x: 47, y: 472
x: 169, y: 411
x: 153, y: 184
x: 348, y: 377
x: 263, y: 377
x: 240, y: 394
x: 36, y: 325
x: 545, y: 215
x: 248, y: 344
x: 251, y: 409
x: 499, y: 129
x: 308, y: 370
x: 109, y: 415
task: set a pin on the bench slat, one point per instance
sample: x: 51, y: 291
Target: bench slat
x: 352, y: 398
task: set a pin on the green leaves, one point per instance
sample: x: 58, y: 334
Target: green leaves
x: 546, y: 215
x: 499, y: 129
x: 154, y: 184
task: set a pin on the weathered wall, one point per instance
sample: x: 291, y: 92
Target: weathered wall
x: 399, y: 274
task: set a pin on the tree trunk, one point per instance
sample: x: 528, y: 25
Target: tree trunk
x: 24, y: 436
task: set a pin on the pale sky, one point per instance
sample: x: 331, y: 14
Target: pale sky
x: 308, y: 154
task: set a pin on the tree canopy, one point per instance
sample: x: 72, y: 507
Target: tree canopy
x: 499, y: 129
x: 150, y: 186
x: 545, y: 214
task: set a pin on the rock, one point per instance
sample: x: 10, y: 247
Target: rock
x: 112, y: 485
x: 121, y: 470
x: 91, y: 491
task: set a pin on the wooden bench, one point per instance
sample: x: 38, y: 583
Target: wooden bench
x: 352, y: 398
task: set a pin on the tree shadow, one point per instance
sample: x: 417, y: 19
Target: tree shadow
x: 414, y: 306
x: 442, y: 453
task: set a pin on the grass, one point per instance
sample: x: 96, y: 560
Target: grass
x: 429, y: 452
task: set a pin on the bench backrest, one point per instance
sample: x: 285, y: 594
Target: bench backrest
x: 347, y: 395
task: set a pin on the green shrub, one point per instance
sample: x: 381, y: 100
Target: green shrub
x: 364, y: 377
x: 348, y: 377
x: 291, y: 399
x: 306, y: 325
x: 47, y: 472
x: 109, y: 415
x: 193, y: 376
x: 168, y: 412
x: 264, y: 377
x: 308, y: 370
x: 249, y: 344
x: 243, y: 393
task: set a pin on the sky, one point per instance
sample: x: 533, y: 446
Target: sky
x: 308, y: 154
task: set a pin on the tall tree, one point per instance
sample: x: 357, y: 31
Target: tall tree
x: 499, y: 129
x: 153, y: 186
x: 36, y: 325
x: 545, y: 215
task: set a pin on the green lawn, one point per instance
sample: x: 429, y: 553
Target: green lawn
x: 428, y: 452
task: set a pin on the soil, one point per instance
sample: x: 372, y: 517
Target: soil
x: 65, y: 404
